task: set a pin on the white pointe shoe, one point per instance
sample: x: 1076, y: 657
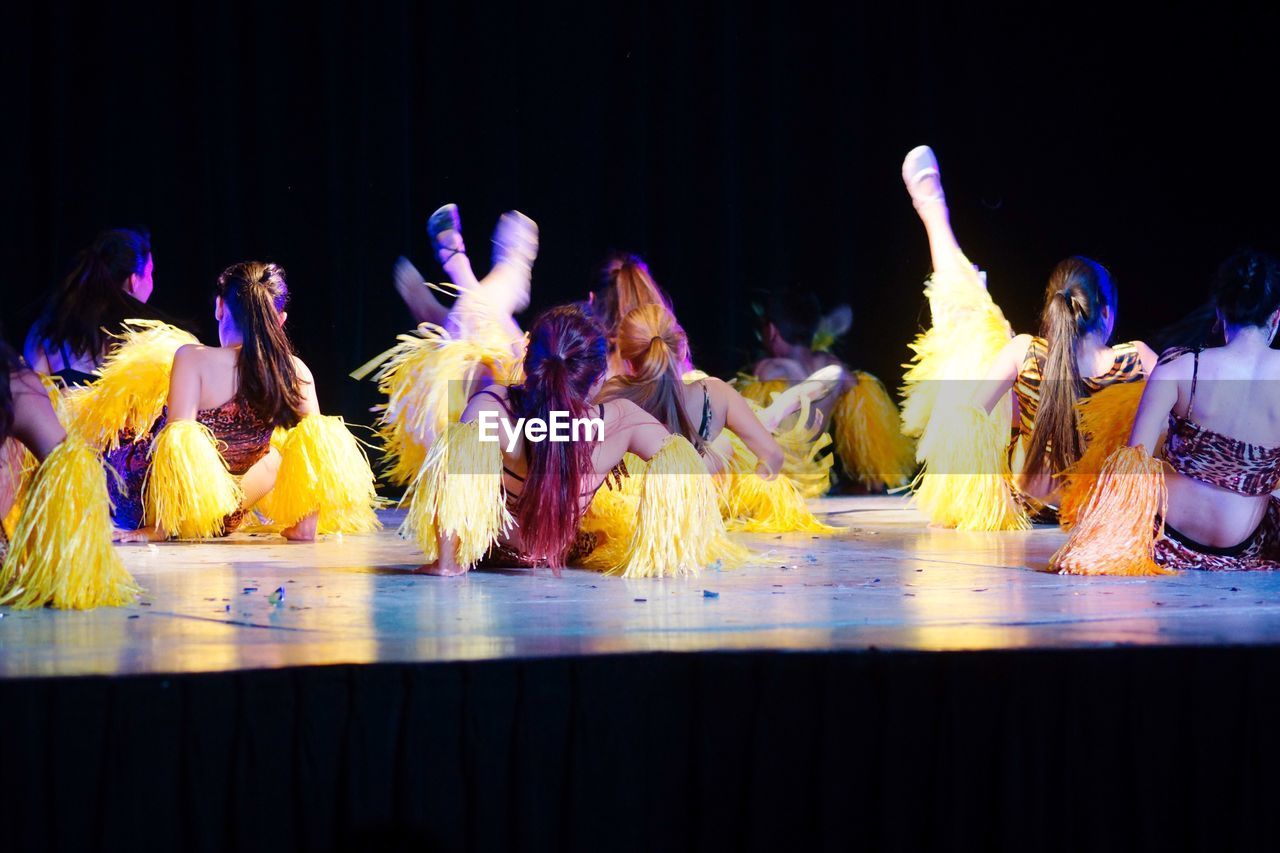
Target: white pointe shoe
x: 786, y: 403
x: 919, y: 164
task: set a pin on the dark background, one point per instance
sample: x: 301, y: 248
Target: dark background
x: 737, y: 146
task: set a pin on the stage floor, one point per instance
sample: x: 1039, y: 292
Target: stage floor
x: 888, y: 582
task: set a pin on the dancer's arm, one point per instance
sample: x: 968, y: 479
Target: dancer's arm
x: 308, y: 526
x: 34, y: 421
x: 1002, y: 374
x: 743, y: 421
x: 185, y: 383
x: 1148, y: 357
x: 1158, y: 399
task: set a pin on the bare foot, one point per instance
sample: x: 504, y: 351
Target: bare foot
x: 303, y: 531
x: 440, y: 571
x: 422, y: 304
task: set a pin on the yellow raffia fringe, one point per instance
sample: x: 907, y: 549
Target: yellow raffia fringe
x: 323, y: 469
x: 1116, y: 531
x: 630, y: 484
x: 17, y: 467
x: 458, y: 492
x: 751, y: 504
x: 967, y: 483
x: 869, y: 439
x: 188, y: 490
x: 759, y: 391
x: 807, y: 461
x: 61, y: 553
x: 133, y: 388
x: 678, y: 527
x: 612, y: 518
x: 1106, y: 419
x: 426, y: 378
x: 967, y: 332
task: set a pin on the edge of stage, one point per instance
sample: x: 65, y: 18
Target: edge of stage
x: 891, y: 688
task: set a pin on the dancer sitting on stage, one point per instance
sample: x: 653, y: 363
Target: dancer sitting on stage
x: 855, y: 407
x: 111, y: 283
x: 956, y: 391
x: 194, y: 467
x: 1194, y: 487
x: 57, y: 532
x: 713, y: 417
x: 491, y: 491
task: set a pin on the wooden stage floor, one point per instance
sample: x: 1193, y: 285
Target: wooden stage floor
x: 889, y: 582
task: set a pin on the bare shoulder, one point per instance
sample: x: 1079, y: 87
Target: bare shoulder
x: 1018, y: 346
x: 25, y: 381
x: 304, y: 372
x: 718, y: 389
x: 1176, y: 365
x: 492, y: 398
x: 196, y: 355
x: 624, y: 413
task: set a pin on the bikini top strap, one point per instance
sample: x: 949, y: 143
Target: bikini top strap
x: 705, y: 427
x: 501, y: 402
x: 1195, y: 372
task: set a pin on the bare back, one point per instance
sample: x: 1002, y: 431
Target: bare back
x: 1232, y: 392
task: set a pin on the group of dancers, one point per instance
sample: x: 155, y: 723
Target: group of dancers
x: 120, y: 426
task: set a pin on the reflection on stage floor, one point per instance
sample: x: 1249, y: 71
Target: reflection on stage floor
x: 888, y: 582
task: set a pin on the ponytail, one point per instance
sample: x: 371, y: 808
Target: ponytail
x: 655, y: 347
x: 255, y: 294
x: 564, y: 360
x: 1079, y: 289
x: 626, y: 284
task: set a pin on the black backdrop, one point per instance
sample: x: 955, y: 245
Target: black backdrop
x: 737, y: 146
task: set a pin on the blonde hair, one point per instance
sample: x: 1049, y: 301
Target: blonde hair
x: 652, y: 343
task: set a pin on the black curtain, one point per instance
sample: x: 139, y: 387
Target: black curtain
x: 739, y: 146
x: 1105, y: 749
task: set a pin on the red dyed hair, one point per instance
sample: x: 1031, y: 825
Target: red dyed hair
x: 565, y: 359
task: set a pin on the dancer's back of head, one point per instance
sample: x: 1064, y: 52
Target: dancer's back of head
x: 563, y: 366
x: 1246, y: 288
x: 255, y: 295
x: 655, y: 350
x: 108, y: 284
x: 625, y: 284
x: 1080, y: 299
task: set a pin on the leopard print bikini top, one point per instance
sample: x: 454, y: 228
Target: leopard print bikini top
x: 1219, y: 460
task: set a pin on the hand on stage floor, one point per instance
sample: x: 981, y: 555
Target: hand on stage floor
x: 142, y: 534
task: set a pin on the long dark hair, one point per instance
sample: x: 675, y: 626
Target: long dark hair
x: 653, y: 344
x: 256, y: 293
x: 1079, y: 290
x: 565, y: 358
x: 91, y: 302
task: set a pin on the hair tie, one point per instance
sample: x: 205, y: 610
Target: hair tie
x: 655, y: 339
